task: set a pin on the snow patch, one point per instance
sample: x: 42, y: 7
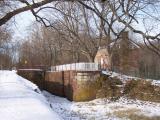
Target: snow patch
x: 125, y: 78
x: 100, y: 109
x: 19, y: 101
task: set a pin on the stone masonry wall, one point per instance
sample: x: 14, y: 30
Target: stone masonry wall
x: 85, y: 86
x: 74, y: 85
x: 35, y: 76
x: 54, y: 83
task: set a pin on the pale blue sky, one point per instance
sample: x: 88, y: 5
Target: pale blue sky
x: 25, y: 19
x: 23, y: 22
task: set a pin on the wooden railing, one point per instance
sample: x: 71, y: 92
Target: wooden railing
x: 77, y: 67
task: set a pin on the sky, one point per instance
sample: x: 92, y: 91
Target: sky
x: 23, y: 24
x: 24, y: 20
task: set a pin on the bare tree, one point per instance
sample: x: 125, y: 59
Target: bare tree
x: 128, y: 13
x: 124, y: 12
x: 115, y: 16
x: 5, y: 56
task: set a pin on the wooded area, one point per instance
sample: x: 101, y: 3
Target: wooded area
x: 71, y: 31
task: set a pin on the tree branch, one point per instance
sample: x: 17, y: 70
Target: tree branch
x: 11, y: 14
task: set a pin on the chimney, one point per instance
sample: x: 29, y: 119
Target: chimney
x: 125, y: 36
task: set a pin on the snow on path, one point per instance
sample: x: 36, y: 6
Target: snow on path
x: 102, y: 109
x: 19, y: 101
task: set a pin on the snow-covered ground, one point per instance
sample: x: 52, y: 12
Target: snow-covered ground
x: 103, y: 109
x: 22, y: 100
x: 125, y: 78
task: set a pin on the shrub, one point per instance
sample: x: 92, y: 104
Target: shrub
x: 108, y: 87
x: 143, y: 90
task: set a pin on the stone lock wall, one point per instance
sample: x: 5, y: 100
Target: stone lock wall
x: 74, y: 85
x: 54, y: 83
x: 35, y: 76
x: 85, y: 86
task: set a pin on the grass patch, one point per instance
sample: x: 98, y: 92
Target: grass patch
x: 142, y: 90
x: 117, y: 107
x: 108, y: 87
x: 133, y: 114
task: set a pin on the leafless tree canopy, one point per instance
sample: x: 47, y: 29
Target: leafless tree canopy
x: 5, y: 36
x: 124, y: 13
